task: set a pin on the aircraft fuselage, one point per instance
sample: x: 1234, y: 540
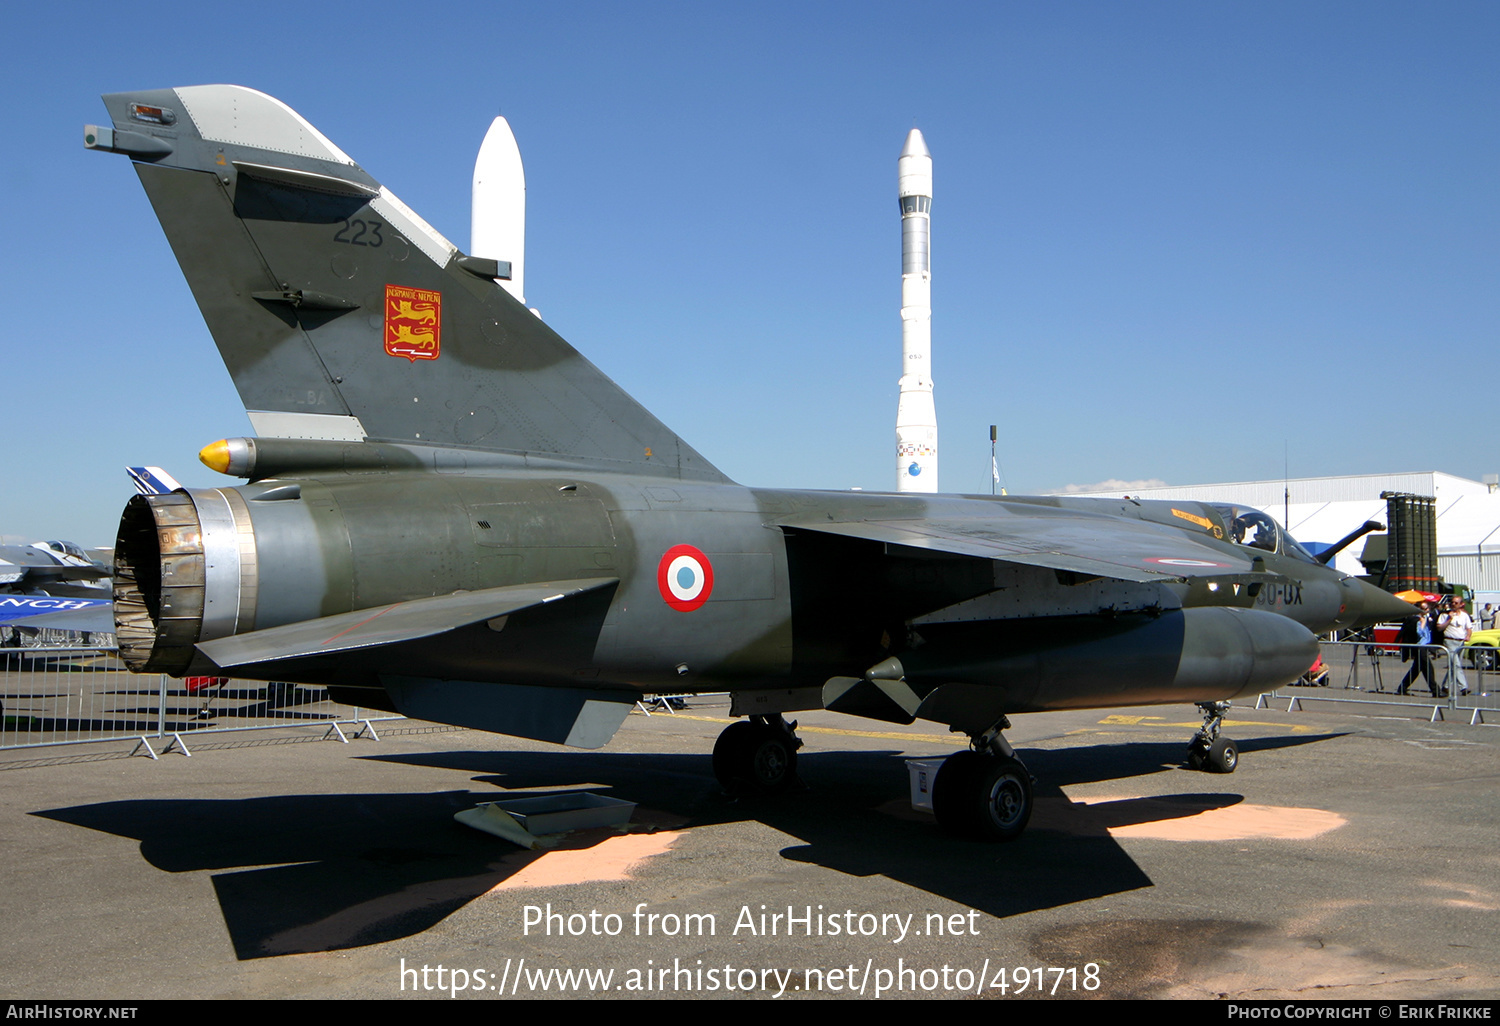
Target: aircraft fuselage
x: 718, y: 587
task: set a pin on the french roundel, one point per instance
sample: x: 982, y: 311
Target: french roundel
x: 1167, y: 561
x: 685, y: 578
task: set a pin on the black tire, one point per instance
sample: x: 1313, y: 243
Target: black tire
x: 982, y: 796
x: 1222, y: 756
x: 729, y: 756
x: 951, y: 789
x: 753, y: 759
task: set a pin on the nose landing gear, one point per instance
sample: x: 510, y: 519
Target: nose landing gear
x: 1209, y: 750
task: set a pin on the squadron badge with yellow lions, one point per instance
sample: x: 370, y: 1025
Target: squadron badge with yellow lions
x: 413, y: 322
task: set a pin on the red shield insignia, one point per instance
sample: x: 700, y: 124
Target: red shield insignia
x: 413, y: 322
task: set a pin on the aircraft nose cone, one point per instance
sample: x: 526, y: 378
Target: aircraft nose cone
x: 1370, y: 605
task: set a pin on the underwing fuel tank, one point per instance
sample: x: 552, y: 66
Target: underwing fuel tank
x: 964, y: 672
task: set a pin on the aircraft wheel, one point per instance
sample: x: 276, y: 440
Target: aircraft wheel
x: 728, y: 753
x: 773, y: 763
x: 982, y: 796
x: 1222, y: 756
x: 951, y: 789
x: 752, y: 758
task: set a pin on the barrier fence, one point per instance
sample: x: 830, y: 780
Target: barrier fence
x: 52, y: 696
x: 1372, y: 671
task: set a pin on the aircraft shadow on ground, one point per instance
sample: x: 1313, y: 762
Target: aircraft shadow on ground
x: 341, y: 871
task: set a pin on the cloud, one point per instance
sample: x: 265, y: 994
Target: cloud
x: 1114, y: 484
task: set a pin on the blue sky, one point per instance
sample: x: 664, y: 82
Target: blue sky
x: 1171, y: 241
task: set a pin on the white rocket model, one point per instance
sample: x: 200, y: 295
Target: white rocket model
x: 916, y: 416
x: 497, y: 227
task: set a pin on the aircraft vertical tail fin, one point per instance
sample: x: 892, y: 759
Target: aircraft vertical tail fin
x: 152, y: 480
x: 341, y: 314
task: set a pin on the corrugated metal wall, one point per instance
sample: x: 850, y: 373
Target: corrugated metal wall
x: 1479, y: 571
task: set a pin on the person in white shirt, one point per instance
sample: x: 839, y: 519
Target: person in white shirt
x: 1456, y: 625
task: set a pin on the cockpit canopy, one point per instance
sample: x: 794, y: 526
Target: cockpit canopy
x: 1253, y: 529
x: 65, y: 548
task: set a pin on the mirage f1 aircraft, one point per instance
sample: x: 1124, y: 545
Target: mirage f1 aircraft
x: 450, y: 513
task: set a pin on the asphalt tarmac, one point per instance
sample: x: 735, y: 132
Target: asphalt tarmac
x: 1348, y: 857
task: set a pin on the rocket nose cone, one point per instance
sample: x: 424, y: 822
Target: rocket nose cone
x: 499, y: 153
x: 915, y: 146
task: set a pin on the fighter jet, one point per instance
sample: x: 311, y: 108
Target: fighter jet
x: 56, y: 585
x: 51, y: 567
x: 450, y: 513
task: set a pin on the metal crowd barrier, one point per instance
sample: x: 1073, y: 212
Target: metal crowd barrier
x: 1373, y: 672
x: 55, y: 696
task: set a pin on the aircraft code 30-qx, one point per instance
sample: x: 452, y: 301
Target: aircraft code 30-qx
x: 517, y: 979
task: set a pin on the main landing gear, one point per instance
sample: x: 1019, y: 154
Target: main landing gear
x: 985, y: 792
x: 758, y: 756
x: 1209, y: 750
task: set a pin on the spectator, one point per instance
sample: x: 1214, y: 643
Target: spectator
x: 1457, y: 626
x: 1417, y: 630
